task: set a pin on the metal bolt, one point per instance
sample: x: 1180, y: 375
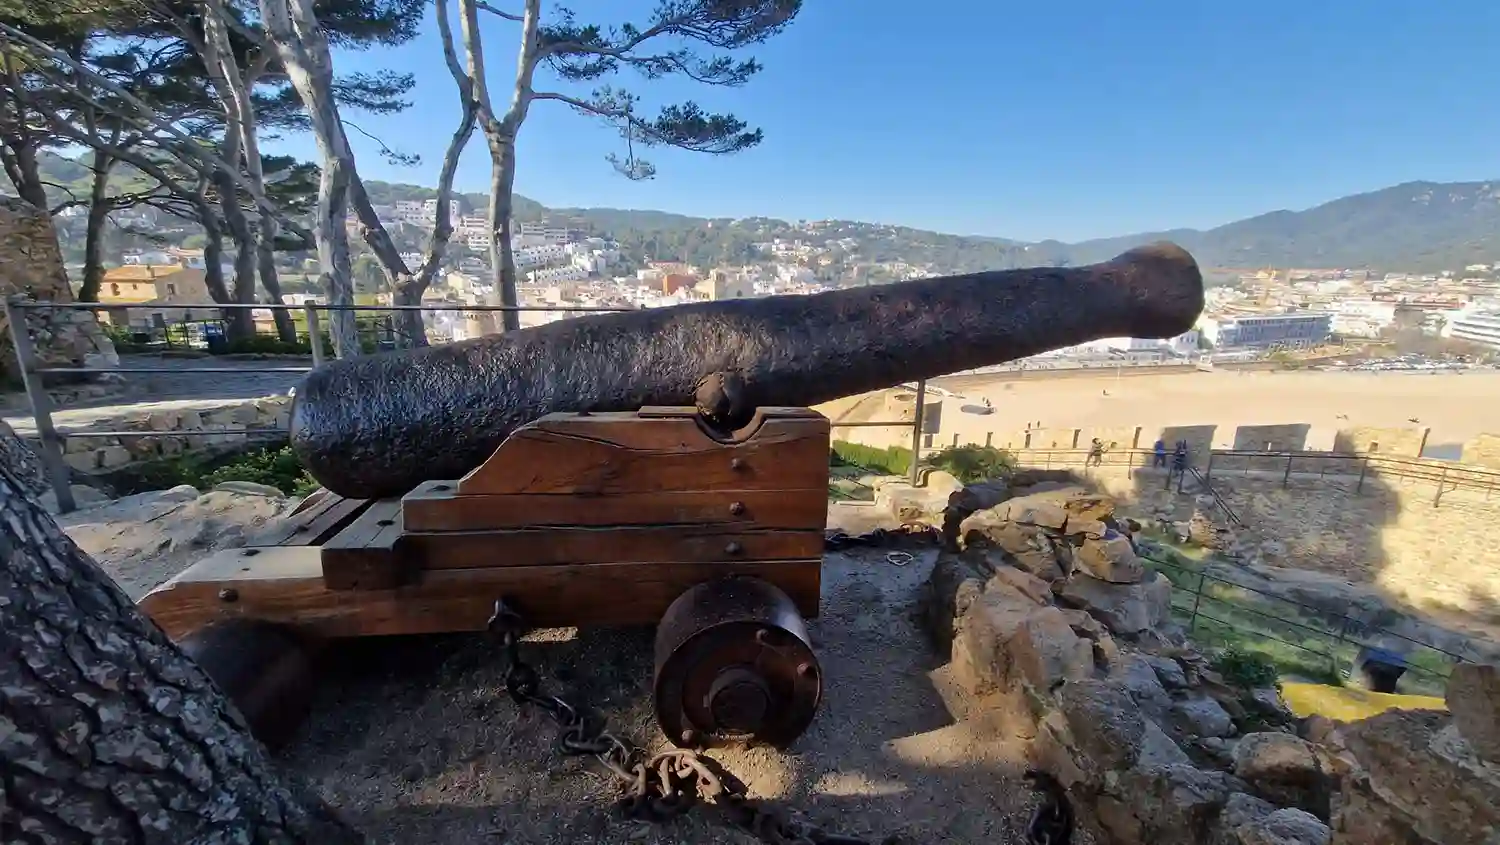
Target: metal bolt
x: 737, y: 508
x: 689, y: 737
x: 763, y: 636
x: 733, y: 548
x: 229, y: 594
x: 736, y: 463
x: 805, y: 669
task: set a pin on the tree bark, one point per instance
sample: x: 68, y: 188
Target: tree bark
x: 108, y: 732
x: 240, y: 321
x: 93, y: 240
x: 303, y: 49
x: 22, y: 163
x: 502, y: 252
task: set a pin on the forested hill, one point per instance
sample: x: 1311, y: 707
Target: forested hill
x: 1414, y: 226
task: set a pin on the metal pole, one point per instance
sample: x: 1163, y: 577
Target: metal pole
x: 1286, y: 477
x: 1197, y: 599
x: 917, y: 419
x: 1208, y: 470
x: 314, y: 332
x: 41, y: 408
x: 1364, y: 467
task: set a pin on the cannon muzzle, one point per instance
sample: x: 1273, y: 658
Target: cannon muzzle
x: 378, y: 426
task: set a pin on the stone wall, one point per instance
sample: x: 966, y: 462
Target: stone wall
x: 1290, y: 437
x: 1399, y: 442
x: 31, y: 267
x: 1483, y: 450
x: 163, y: 430
x: 1389, y: 535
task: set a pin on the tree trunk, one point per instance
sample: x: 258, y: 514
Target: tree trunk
x: 93, y: 240
x: 410, y: 326
x: 502, y: 255
x: 29, y: 187
x: 240, y: 321
x: 108, y: 732
x: 213, y: 250
x: 265, y: 253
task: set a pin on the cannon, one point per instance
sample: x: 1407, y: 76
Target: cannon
x: 648, y: 467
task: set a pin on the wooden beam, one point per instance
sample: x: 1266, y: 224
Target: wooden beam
x: 285, y: 584
x: 434, y: 506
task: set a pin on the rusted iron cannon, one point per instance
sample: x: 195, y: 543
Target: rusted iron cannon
x: 631, y: 469
x: 380, y: 425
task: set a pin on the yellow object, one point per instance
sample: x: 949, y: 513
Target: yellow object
x: 1349, y: 705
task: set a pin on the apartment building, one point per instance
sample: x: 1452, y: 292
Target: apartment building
x: 1267, y: 330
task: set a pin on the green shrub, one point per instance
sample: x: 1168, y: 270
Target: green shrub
x: 892, y: 460
x: 1246, y: 669
x: 971, y: 464
x: 275, y: 467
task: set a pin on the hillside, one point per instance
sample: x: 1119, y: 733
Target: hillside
x: 1414, y: 226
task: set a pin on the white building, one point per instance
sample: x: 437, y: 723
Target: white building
x: 1481, y: 327
x: 1362, y: 317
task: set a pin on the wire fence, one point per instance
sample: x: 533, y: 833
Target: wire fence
x: 1315, y: 643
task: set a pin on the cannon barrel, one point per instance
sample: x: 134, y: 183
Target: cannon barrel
x: 380, y: 425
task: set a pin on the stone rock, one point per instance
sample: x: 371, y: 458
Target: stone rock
x: 1473, y: 696
x: 1284, y: 769
x: 1173, y: 804
x: 951, y: 588
x: 981, y: 661
x: 1202, y: 716
x: 1112, y: 560
x: 111, y: 457
x: 1033, y: 510
x: 1266, y: 702
x: 1247, y: 820
x: 964, y: 503
x: 1126, y: 609
x: 1028, y: 585
x: 1168, y: 671
x: 1027, y: 548
x: 1083, y: 527
x: 1416, y: 781
x: 1047, y: 652
x: 249, y: 488
x: 1105, y: 723
x: 1158, y: 749
x: 1136, y: 676
x: 83, y: 497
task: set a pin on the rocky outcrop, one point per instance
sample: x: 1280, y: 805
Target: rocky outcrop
x: 1047, y: 603
x: 172, y: 429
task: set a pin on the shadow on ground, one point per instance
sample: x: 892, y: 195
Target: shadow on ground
x: 415, y: 740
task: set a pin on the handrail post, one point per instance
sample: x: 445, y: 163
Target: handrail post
x: 314, y: 332
x: 41, y: 407
x: 917, y: 421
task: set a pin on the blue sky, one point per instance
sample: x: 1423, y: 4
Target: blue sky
x: 1067, y: 119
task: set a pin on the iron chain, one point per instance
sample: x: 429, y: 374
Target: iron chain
x: 656, y: 788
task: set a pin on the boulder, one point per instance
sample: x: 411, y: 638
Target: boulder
x: 1284, y: 769
x: 1171, y: 804
x: 1047, y: 652
x: 1126, y: 609
x: 981, y: 657
x: 1112, y: 560
x: 1202, y: 716
x: 1106, y: 725
x: 249, y: 488
x: 1415, y: 781
x: 1248, y: 820
x: 1029, y: 585
x: 1135, y: 675
x: 1473, y: 696
x: 1168, y: 671
x: 1033, y: 510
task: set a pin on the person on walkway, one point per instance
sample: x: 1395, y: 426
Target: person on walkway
x: 1179, y: 457
x: 1096, y: 454
x: 1160, y: 448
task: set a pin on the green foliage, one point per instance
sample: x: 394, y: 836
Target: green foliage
x: 892, y: 460
x: 1246, y: 669
x: 971, y: 464
x: 275, y: 467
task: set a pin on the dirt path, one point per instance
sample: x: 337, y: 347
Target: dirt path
x: 417, y: 743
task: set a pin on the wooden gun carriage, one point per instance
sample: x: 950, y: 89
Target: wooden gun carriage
x: 653, y: 467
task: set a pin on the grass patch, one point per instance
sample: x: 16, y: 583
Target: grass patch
x: 969, y: 464
x: 1254, y: 629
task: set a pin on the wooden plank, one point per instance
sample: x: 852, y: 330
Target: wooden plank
x: 285, y: 584
x: 620, y: 544
x: 315, y: 524
x: 434, y: 507
x: 609, y: 454
x: 364, y: 554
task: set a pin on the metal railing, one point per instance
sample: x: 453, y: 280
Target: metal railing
x: 1448, y: 476
x: 1325, y: 642
x: 33, y: 373
x: 52, y: 439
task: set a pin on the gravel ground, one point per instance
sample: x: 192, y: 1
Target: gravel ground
x: 415, y: 741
